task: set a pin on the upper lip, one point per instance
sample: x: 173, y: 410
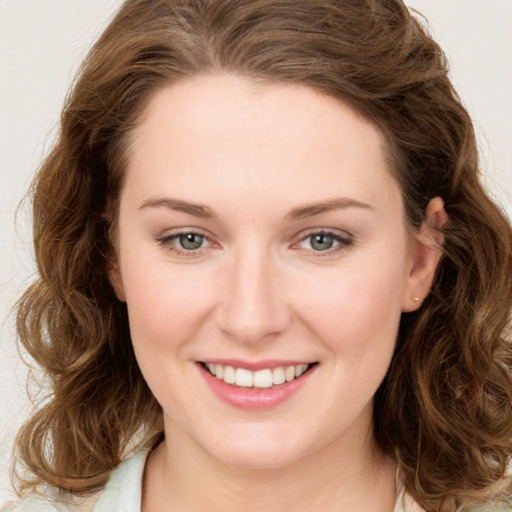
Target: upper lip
x: 256, y: 365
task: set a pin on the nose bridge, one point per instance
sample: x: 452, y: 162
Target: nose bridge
x: 253, y: 307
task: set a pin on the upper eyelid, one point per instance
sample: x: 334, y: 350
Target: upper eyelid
x: 171, y: 233
x: 344, y: 243
x: 299, y: 237
x: 335, y: 233
x: 167, y: 237
x: 166, y: 241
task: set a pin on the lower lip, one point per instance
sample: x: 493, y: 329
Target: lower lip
x: 255, y: 398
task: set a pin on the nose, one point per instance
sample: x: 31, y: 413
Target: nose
x: 253, y: 309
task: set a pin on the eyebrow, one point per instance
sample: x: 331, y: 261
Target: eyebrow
x: 303, y: 212
x: 197, y: 210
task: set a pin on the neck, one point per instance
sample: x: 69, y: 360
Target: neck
x: 341, y: 477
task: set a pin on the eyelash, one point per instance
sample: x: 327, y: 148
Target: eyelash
x: 167, y: 242
x: 344, y: 243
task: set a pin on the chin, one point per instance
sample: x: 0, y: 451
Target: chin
x: 256, y: 459
x: 258, y: 450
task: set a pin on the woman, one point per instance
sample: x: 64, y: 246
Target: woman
x: 268, y: 269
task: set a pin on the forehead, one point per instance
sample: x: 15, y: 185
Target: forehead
x: 216, y: 132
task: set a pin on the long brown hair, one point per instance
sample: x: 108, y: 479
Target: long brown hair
x: 444, y: 410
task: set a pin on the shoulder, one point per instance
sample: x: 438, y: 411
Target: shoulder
x: 32, y: 503
x: 124, y: 488
x: 122, y: 493
x: 38, y: 503
x: 405, y: 503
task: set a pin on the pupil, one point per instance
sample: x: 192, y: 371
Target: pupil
x: 191, y: 241
x: 322, y: 242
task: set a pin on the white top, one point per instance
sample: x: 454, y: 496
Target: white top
x: 123, y: 494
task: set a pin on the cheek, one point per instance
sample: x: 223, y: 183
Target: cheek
x: 166, y: 308
x: 356, y: 308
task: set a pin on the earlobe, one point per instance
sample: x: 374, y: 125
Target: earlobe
x: 426, y: 252
x: 114, y: 276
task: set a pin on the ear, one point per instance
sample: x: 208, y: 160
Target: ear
x: 114, y: 275
x: 426, y: 252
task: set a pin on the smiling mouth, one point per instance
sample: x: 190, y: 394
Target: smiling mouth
x: 260, y: 379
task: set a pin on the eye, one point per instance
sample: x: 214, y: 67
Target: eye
x: 324, y: 241
x: 321, y: 241
x: 190, y: 241
x: 185, y: 243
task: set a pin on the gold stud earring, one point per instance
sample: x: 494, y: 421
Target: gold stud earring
x: 416, y: 299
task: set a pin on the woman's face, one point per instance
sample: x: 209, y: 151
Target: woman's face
x: 261, y: 234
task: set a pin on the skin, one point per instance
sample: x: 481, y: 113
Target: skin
x: 253, y: 156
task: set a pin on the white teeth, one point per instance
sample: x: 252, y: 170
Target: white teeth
x: 278, y: 376
x: 289, y: 373
x: 259, y: 379
x: 243, y: 378
x: 229, y: 375
x: 262, y: 379
x: 300, y: 369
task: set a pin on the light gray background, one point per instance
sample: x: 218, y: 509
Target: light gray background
x: 41, y: 46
